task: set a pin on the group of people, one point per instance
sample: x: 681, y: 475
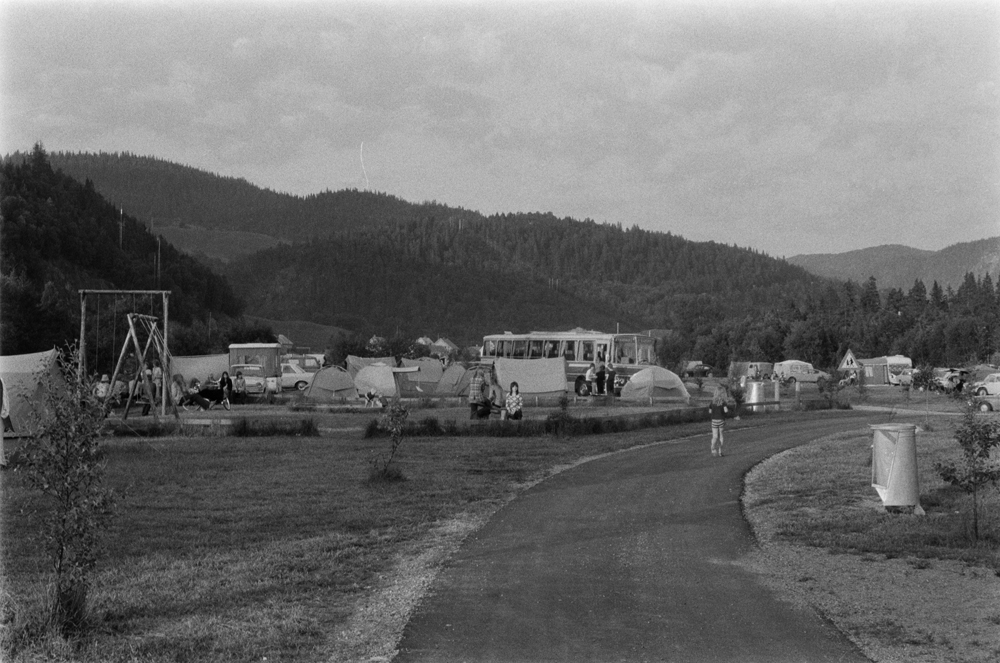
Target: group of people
x: 223, y: 391
x: 600, y: 378
x: 486, y: 397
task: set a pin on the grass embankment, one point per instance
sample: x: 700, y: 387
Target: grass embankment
x: 238, y: 549
x: 820, y: 495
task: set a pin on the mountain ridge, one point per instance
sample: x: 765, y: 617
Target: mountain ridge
x: 899, y: 266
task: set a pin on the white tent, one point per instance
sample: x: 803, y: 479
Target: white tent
x: 454, y: 381
x: 535, y: 377
x: 25, y: 378
x: 376, y: 378
x: 331, y: 384
x: 653, y: 383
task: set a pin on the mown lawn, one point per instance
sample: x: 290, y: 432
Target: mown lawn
x: 820, y: 495
x: 235, y: 549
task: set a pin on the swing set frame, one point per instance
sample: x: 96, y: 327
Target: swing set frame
x: 155, y: 340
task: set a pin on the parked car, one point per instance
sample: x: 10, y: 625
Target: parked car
x: 904, y: 378
x: 700, y: 371
x: 294, y: 377
x: 253, y: 375
x: 949, y: 379
x: 988, y: 386
x: 799, y: 371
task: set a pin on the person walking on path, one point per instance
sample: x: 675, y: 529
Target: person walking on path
x: 4, y: 422
x: 719, y: 411
x: 514, y: 402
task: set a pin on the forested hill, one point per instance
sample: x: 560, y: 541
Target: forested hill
x: 168, y: 194
x: 60, y: 235
x: 515, y: 273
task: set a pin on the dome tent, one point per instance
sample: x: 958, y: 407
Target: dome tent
x: 331, y: 384
x: 655, y: 383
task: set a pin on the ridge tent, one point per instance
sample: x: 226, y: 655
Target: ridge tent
x: 331, y: 384
x: 380, y: 379
x: 655, y: 382
x: 198, y: 366
x: 424, y: 381
x: 454, y: 381
x: 24, y: 379
x: 534, y: 377
x: 877, y: 370
x: 355, y: 364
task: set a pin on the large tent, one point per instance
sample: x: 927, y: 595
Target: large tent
x: 535, y: 377
x: 330, y: 385
x: 25, y: 378
x: 199, y: 366
x: 355, y: 364
x: 379, y: 379
x: 654, y: 383
x: 424, y: 381
x: 454, y: 381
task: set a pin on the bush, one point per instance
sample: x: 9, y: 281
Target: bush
x: 63, y: 461
x: 978, y: 437
x: 274, y: 427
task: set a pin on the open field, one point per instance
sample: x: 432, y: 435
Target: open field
x: 239, y: 549
x: 236, y: 549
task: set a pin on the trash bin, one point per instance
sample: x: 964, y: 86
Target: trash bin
x: 894, y: 465
x: 756, y: 392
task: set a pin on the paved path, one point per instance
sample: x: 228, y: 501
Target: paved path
x: 626, y: 558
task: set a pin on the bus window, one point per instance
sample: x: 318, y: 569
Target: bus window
x: 518, y: 350
x: 588, y: 350
x: 625, y: 349
x: 551, y: 349
x: 534, y: 349
x: 602, y: 352
x: 490, y: 350
x: 503, y: 348
x: 569, y: 350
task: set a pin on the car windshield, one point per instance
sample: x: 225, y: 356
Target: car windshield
x: 252, y: 372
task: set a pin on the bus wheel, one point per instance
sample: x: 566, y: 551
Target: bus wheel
x: 581, y: 387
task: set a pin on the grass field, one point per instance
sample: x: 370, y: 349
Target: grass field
x: 229, y: 549
x: 237, y: 549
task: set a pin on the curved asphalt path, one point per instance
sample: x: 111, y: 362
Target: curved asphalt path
x: 627, y: 558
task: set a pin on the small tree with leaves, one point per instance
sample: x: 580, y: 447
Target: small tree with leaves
x: 62, y: 460
x: 392, y: 421
x: 976, y: 469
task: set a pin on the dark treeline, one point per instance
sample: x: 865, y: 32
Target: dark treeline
x: 166, y: 193
x: 59, y: 236
x: 467, y: 277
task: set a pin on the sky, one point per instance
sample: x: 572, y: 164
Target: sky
x: 788, y: 127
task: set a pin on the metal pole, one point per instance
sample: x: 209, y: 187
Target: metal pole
x: 82, y: 367
x: 166, y: 355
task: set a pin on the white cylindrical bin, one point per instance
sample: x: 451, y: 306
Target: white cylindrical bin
x: 754, y: 393
x: 894, y: 465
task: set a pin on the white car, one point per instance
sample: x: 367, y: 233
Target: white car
x: 989, y: 386
x: 294, y: 377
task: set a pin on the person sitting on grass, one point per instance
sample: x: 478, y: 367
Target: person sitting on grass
x: 514, y: 403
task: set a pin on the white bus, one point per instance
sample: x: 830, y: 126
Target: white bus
x: 626, y: 353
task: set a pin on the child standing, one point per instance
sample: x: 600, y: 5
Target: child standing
x: 719, y: 411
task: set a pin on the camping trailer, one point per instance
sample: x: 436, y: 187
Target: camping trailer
x: 266, y: 355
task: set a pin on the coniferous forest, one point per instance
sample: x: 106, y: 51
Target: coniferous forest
x: 374, y: 264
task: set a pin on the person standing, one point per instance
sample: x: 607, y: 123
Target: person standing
x: 609, y: 382
x: 601, y: 375
x: 5, y: 424
x: 514, y: 403
x: 477, y: 388
x: 719, y: 410
x: 590, y: 376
